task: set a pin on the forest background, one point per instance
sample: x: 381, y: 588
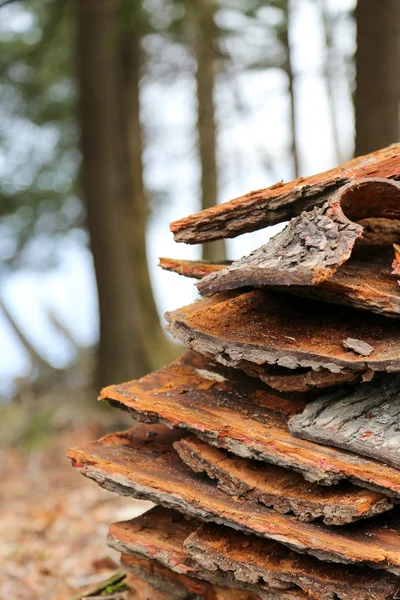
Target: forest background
x: 117, y: 117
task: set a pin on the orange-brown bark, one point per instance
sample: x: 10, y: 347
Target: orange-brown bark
x: 240, y: 414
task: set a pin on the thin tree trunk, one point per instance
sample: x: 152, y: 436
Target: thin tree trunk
x: 207, y: 131
x: 378, y: 66
x: 329, y: 79
x: 292, y: 92
x: 120, y: 355
x: 156, y: 348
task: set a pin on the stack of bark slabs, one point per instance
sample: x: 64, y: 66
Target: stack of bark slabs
x: 272, y: 446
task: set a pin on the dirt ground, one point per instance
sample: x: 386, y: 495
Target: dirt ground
x: 53, y: 522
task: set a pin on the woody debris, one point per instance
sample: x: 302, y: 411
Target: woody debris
x: 271, y: 447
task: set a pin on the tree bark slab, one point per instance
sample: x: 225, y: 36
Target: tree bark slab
x: 142, y: 463
x: 160, y: 536
x: 281, y: 489
x: 365, y: 420
x: 254, y: 559
x: 265, y: 327
x: 315, y: 247
x: 240, y: 414
x: 182, y: 587
x: 184, y: 546
x: 281, y: 202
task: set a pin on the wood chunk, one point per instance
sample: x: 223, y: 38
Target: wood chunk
x: 158, y: 534
x: 314, y: 245
x: 211, y: 550
x: 192, y: 268
x: 365, y: 420
x: 154, y: 537
x: 362, y: 348
x: 142, y: 463
x: 281, y: 202
x: 181, y: 587
x: 269, y: 327
x: 240, y: 414
x: 255, y: 559
x: 296, y: 380
x: 281, y: 489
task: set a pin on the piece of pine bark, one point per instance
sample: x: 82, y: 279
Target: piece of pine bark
x: 314, y: 246
x: 160, y: 535
x: 142, y: 463
x: 255, y: 559
x: 366, y: 281
x: 182, y: 545
x: 240, y: 414
x: 262, y: 326
x: 182, y: 587
x: 281, y: 489
x: 281, y: 202
x: 365, y: 420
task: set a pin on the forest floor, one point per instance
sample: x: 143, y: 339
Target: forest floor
x: 54, y: 522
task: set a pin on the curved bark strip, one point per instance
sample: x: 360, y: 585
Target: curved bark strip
x: 168, y: 585
x: 282, y: 201
x: 141, y: 463
x: 240, y: 414
x: 313, y: 245
x: 366, y: 420
x: 210, y: 551
x: 253, y: 559
x: 197, y: 269
x: 281, y: 489
x: 264, y: 327
x: 160, y: 536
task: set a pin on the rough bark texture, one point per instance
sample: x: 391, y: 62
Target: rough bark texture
x: 142, y: 463
x: 161, y: 535
x: 254, y: 559
x: 378, y: 52
x: 281, y: 489
x: 281, y: 202
x: 181, y: 545
x: 240, y: 414
x: 205, y: 33
x: 314, y: 245
x: 365, y: 420
x: 188, y: 588
x: 192, y: 268
x: 278, y: 329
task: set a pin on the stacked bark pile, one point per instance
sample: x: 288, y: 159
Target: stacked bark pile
x: 272, y: 446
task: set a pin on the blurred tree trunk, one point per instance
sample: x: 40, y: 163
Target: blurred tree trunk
x: 378, y: 65
x: 155, y: 347
x: 116, y: 226
x: 288, y: 68
x: 207, y: 131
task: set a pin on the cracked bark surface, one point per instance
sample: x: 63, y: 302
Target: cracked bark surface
x: 160, y: 536
x: 139, y: 589
x: 366, y: 281
x: 240, y: 414
x: 314, y: 246
x: 184, y: 546
x: 282, y: 201
x: 252, y: 559
x: 281, y: 489
x: 365, y: 420
x: 182, y: 587
x: 265, y: 327
x: 142, y: 463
